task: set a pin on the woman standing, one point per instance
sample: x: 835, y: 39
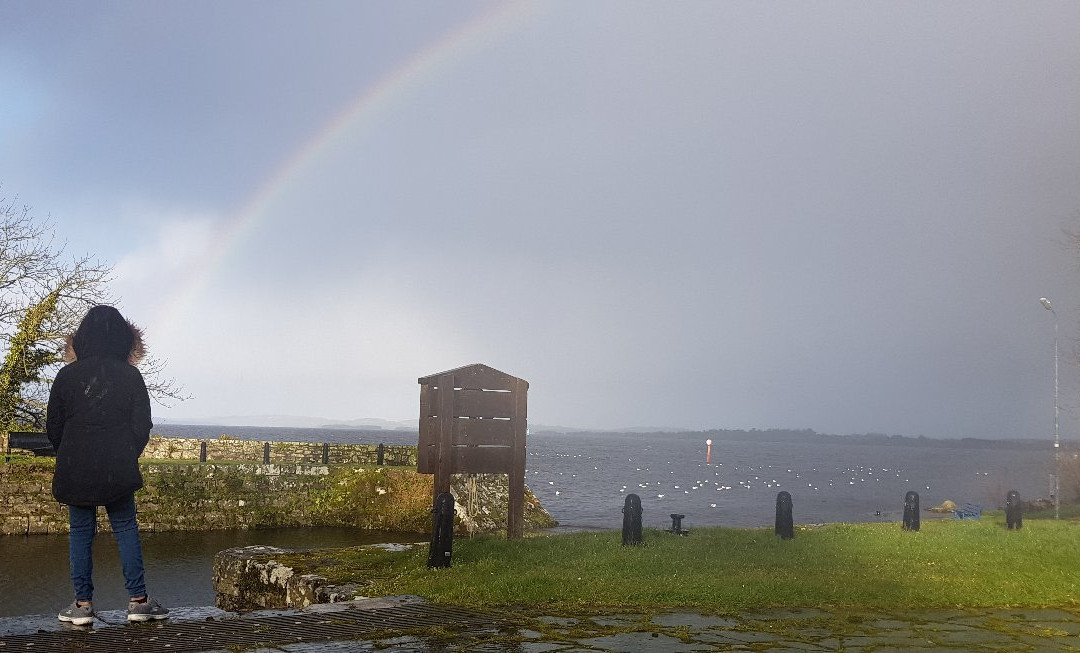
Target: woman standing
x: 98, y: 420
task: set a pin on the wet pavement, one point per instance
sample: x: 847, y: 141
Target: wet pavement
x: 408, y: 624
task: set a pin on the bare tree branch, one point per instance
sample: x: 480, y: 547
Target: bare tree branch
x: 35, y: 271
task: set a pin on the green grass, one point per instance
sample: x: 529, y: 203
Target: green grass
x: 1069, y: 510
x: 948, y: 563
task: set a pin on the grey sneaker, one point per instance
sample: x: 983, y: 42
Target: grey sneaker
x: 146, y: 611
x: 80, y: 615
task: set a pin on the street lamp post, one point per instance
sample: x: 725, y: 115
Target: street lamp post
x: 1057, y: 436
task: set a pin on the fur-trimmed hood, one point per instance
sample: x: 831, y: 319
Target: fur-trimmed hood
x: 105, y: 332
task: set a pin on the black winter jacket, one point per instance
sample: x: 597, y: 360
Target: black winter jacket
x: 98, y: 420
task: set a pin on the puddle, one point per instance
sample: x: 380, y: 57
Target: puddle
x: 695, y: 622
x: 35, y: 623
x: 636, y: 642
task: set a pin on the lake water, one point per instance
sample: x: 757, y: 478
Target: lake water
x: 583, y: 479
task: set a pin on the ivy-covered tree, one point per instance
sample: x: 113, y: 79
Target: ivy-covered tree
x: 44, y: 293
x: 25, y: 362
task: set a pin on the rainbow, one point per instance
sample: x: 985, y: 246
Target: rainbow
x: 375, y: 100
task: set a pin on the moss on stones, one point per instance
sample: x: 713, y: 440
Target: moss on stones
x: 194, y: 496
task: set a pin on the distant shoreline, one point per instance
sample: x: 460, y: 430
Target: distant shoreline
x: 718, y: 435
x: 783, y: 435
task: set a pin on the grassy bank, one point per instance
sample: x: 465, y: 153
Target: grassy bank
x: 864, y: 566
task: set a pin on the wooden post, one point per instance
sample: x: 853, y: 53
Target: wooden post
x: 444, y: 435
x: 515, y: 518
x: 425, y: 461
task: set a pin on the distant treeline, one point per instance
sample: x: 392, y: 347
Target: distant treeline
x: 804, y: 435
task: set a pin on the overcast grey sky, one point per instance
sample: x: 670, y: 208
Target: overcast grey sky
x: 833, y: 215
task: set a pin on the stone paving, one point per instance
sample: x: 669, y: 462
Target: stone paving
x: 773, y: 631
x: 678, y: 632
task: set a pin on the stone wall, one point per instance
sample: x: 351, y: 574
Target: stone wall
x: 26, y: 502
x: 226, y: 449
x: 208, y: 496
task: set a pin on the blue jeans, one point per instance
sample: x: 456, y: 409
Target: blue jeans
x: 83, y: 520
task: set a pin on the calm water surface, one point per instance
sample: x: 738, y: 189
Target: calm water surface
x: 178, y: 565
x: 582, y: 479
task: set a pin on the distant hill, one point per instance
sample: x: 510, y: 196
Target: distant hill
x: 546, y: 428
x: 373, y: 423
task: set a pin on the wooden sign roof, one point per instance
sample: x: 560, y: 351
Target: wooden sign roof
x: 476, y: 376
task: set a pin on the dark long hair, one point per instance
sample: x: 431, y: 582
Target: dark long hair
x: 104, y: 332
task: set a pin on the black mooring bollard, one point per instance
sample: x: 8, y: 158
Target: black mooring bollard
x: 631, y: 521
x: 676, y: 525
x: 381, y: 454
x: 911, y: 511
x: 1014, y: 514
x: 442, y: 532
x: 202, y: 452
x: 785, y: 526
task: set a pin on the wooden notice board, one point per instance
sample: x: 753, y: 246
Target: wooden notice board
x: 472, y: 421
